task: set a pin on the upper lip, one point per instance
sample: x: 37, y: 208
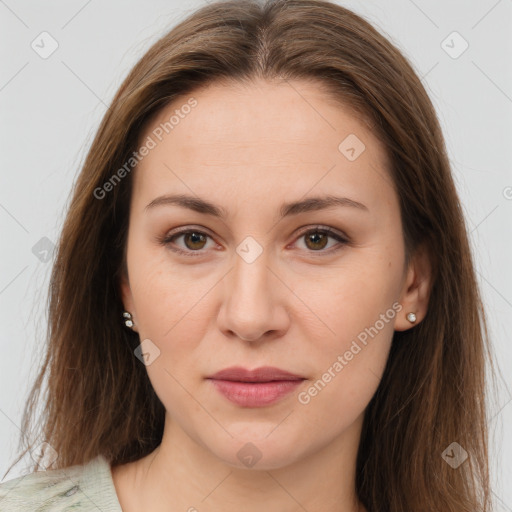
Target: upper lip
x: 262, y: 374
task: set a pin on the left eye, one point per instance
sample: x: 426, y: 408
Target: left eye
x: 316, y: 240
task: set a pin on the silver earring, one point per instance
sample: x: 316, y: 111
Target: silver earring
x: 129, y: 321
x: 411, y: 317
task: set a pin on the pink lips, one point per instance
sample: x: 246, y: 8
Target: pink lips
x: 255, y: 388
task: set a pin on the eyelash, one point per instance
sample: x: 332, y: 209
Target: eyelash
x: 166, y: 240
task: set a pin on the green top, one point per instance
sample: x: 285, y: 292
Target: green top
x: 81, y: 488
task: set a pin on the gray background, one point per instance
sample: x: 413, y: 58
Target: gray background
x: 50, y: 109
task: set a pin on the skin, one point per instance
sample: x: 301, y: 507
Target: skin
x: 298, y: 306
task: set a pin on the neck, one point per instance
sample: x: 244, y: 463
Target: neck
x: 182, y: 475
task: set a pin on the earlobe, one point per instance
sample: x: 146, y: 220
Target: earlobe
x: 416, y: 290
x: 127, y: 299
x: 126, y: 294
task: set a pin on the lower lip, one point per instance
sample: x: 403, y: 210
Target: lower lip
x: 255, y: 394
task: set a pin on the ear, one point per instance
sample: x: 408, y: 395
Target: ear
x: 127, y: 298
x: 416, y: 288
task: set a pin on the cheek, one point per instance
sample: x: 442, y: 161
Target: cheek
x: 351, y: 335
x: 349, y: 373
x: 174, y: 312
x: 165, y: 295
x: 342, y: 302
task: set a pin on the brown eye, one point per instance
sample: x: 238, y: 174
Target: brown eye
x: 317, y: 240
x: 194, y: 240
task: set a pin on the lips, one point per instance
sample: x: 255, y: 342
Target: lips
x: 262, y: 374
x: 260, y: 387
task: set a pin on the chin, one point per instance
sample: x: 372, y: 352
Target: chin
x: 257, y: 449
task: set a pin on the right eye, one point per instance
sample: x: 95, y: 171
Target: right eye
x: 193, y: 239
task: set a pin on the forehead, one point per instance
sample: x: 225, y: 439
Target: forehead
x: 256, y: 137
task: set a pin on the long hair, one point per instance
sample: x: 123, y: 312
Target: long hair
x: 98, y: 398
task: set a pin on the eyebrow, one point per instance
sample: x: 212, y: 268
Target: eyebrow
x: 287, y: 209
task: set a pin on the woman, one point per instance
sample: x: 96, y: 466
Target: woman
x: 209, y: 348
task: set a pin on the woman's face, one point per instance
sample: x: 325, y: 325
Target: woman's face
x: 257, y: 280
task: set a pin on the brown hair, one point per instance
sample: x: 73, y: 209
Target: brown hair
x: 99, y: 399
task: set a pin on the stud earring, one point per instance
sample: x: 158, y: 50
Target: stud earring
x: 411, y: 317
x: 129, y: 321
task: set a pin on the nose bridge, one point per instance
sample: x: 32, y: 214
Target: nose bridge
x: 249, y: 286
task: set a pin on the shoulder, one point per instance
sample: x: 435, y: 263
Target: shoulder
x: 82, y: 488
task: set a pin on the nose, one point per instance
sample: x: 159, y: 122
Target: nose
x: 253, y: 306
